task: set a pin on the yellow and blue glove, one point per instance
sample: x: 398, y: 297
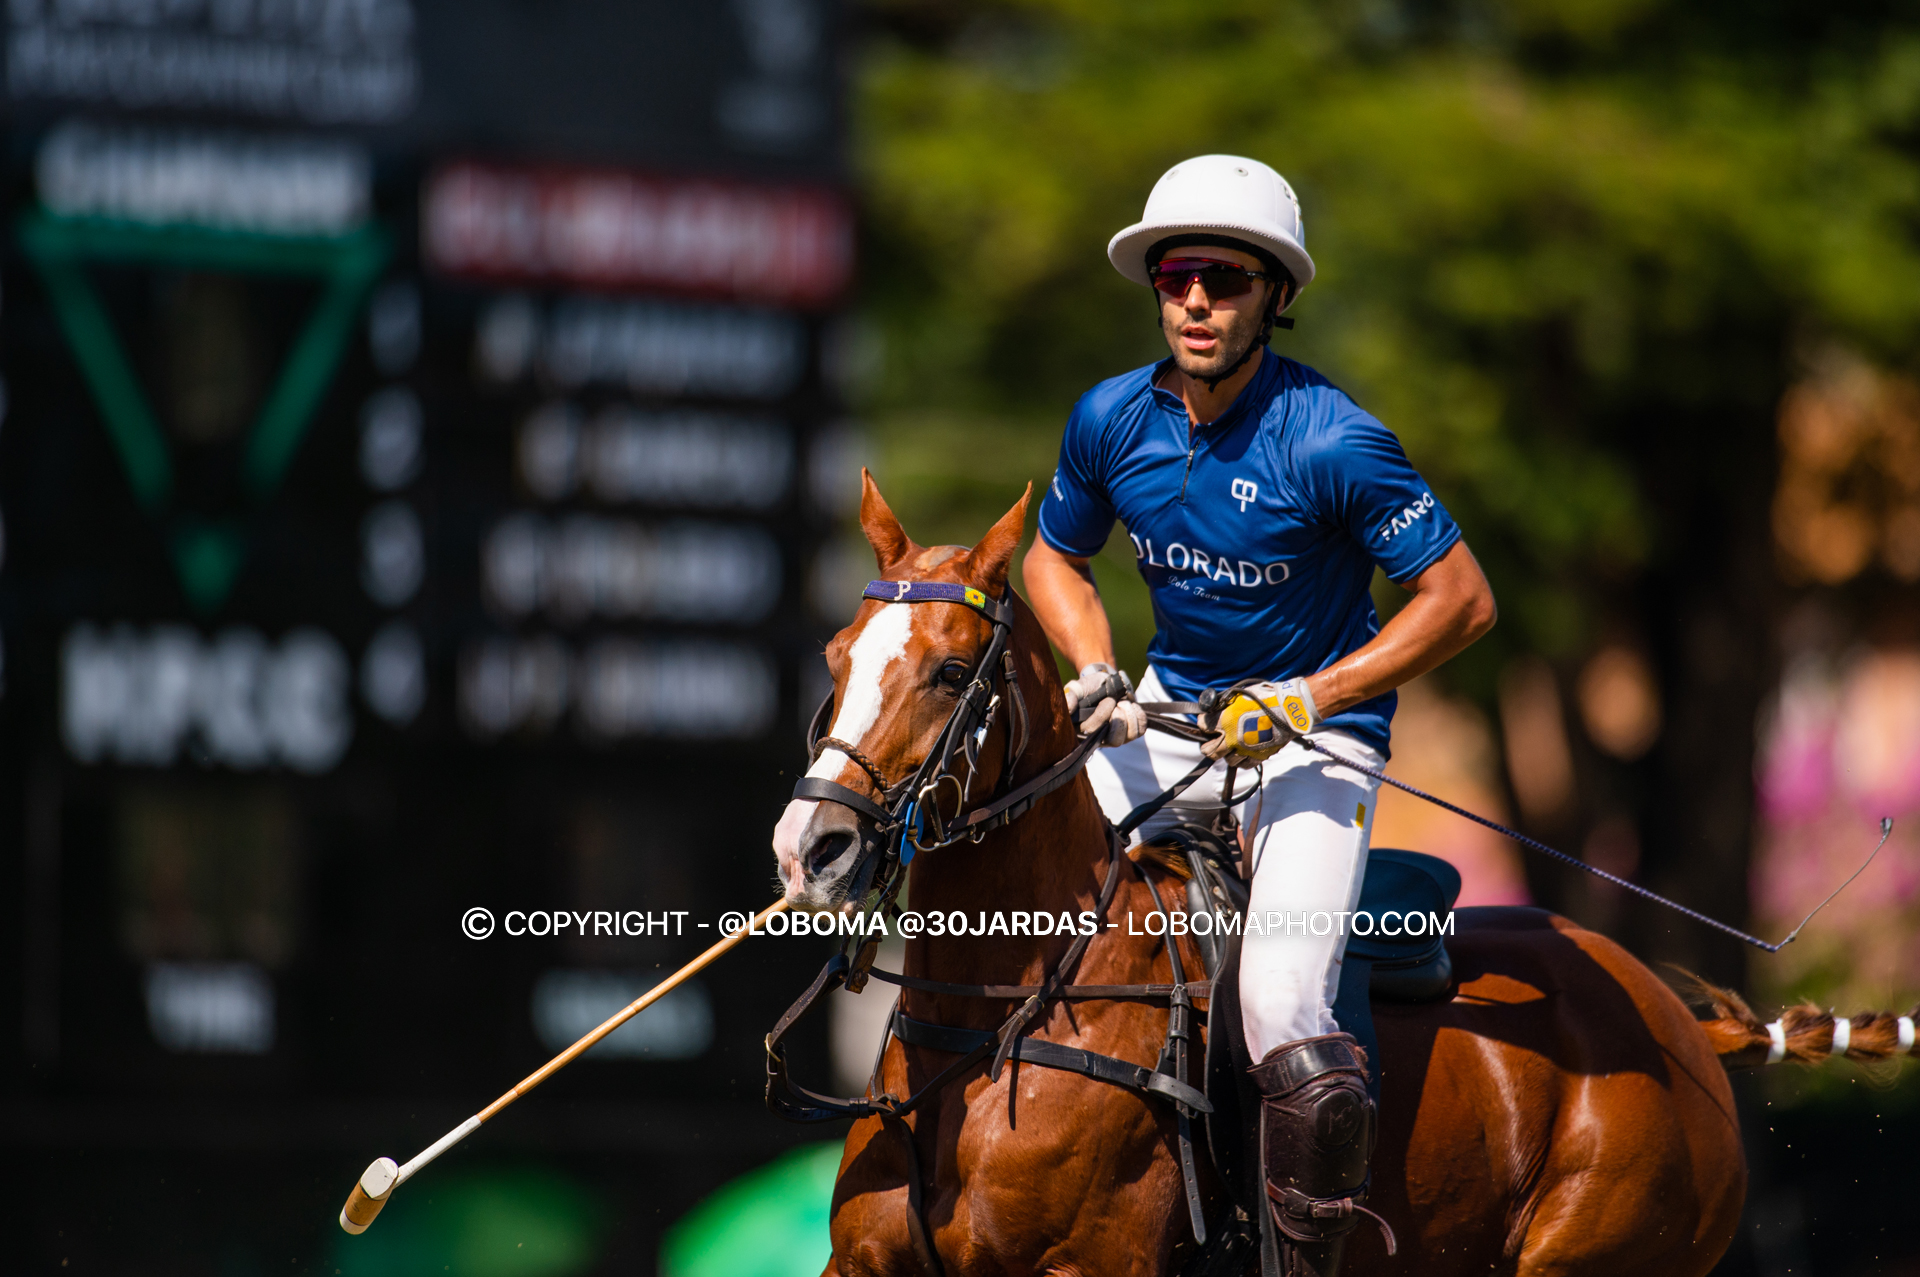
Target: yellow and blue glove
x: 1261, y: 719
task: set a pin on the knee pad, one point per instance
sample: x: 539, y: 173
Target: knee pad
x: 1316, y: 1134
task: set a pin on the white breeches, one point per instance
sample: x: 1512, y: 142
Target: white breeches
x: 1310, y: 820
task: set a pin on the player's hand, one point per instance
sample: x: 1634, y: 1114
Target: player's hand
x: 1261, y: 720
x: 1101, y: 702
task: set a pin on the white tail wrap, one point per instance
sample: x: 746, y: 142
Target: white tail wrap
x: 1906, y: 1034
x: 438, y: 1147
x: 1777, y: 1034
x: 1842, y: 1034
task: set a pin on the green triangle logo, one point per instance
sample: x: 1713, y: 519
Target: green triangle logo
x: 207, y: 555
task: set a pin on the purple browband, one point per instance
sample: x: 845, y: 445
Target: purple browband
x: 930, y: 592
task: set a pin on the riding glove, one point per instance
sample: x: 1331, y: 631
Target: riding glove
x: 1262, y: 719
x: 1101, y: 700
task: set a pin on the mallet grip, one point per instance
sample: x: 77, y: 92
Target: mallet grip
x: 369, y: 1194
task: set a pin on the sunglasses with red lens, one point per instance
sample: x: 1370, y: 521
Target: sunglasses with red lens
x: 1175, y: 275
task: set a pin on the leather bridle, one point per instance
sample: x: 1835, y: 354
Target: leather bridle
x: 905, y: 815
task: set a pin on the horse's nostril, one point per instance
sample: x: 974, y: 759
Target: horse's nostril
x: 827, y: 849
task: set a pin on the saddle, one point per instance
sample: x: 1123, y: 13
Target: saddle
x: 1401, y: 968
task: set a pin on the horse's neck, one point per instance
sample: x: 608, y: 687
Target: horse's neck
x: 1052, y: 861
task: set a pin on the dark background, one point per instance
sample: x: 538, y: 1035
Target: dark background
x: 346, y: 887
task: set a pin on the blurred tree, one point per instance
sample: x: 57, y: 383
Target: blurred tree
x: 1572, y: 251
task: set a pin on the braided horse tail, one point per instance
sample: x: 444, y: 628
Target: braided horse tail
x: 1803, y: 1034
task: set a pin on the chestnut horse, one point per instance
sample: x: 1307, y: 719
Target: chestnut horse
x: 1562, y: 1113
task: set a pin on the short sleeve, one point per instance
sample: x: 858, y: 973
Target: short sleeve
x: 1076, y: 515
x: 1360, y: 479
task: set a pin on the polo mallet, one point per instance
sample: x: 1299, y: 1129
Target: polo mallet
x: 380, y: 1179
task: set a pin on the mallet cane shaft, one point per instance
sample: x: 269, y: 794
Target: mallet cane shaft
x: 379, y: 1180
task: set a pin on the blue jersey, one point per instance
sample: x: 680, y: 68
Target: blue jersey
x: 1257, y: 533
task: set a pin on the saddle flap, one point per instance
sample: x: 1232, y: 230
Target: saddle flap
x: 1406, y: 896
x: 1411, y: 877
x: 1229, y: 1086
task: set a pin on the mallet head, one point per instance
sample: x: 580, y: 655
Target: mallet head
x: 369, y: 1195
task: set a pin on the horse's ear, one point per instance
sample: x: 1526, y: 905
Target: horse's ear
x: 889, y: 540
x: 987, y: 562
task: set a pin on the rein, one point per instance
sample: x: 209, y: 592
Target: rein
x: 1165, y: 716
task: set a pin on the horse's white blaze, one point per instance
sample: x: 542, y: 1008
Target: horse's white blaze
x: 786, y: 844
x: 882, y: 642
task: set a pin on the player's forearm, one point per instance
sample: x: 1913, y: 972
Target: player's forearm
x: 1452, y: 605
x: 1063, y: 595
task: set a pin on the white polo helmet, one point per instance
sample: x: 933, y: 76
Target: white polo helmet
x: 1242, y: 198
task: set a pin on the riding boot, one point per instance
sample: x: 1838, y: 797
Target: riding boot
x: 1316, y: 1138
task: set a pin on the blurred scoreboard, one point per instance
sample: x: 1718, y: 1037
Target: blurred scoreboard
x: 421, y: 419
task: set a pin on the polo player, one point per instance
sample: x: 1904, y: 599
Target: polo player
x: 1259, y: 499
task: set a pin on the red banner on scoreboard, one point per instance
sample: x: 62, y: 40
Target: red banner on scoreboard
x: 778, y: 245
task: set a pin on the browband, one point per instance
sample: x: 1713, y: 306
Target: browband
x: 996, y: 610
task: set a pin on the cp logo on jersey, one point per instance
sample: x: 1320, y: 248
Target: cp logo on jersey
x: 1244, y: 490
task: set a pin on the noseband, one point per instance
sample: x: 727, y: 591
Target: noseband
x: 907, y: 814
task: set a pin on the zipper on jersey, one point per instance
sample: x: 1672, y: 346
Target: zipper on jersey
x: 1193, y: 446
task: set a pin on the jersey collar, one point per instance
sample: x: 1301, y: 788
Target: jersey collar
x: 1256, y: 391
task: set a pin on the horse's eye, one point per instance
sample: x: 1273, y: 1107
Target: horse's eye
x: 953, y: 673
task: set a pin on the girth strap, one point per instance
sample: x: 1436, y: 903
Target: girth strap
x: 1052, y: 1055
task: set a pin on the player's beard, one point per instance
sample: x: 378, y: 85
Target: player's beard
x: 1235, y: 339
